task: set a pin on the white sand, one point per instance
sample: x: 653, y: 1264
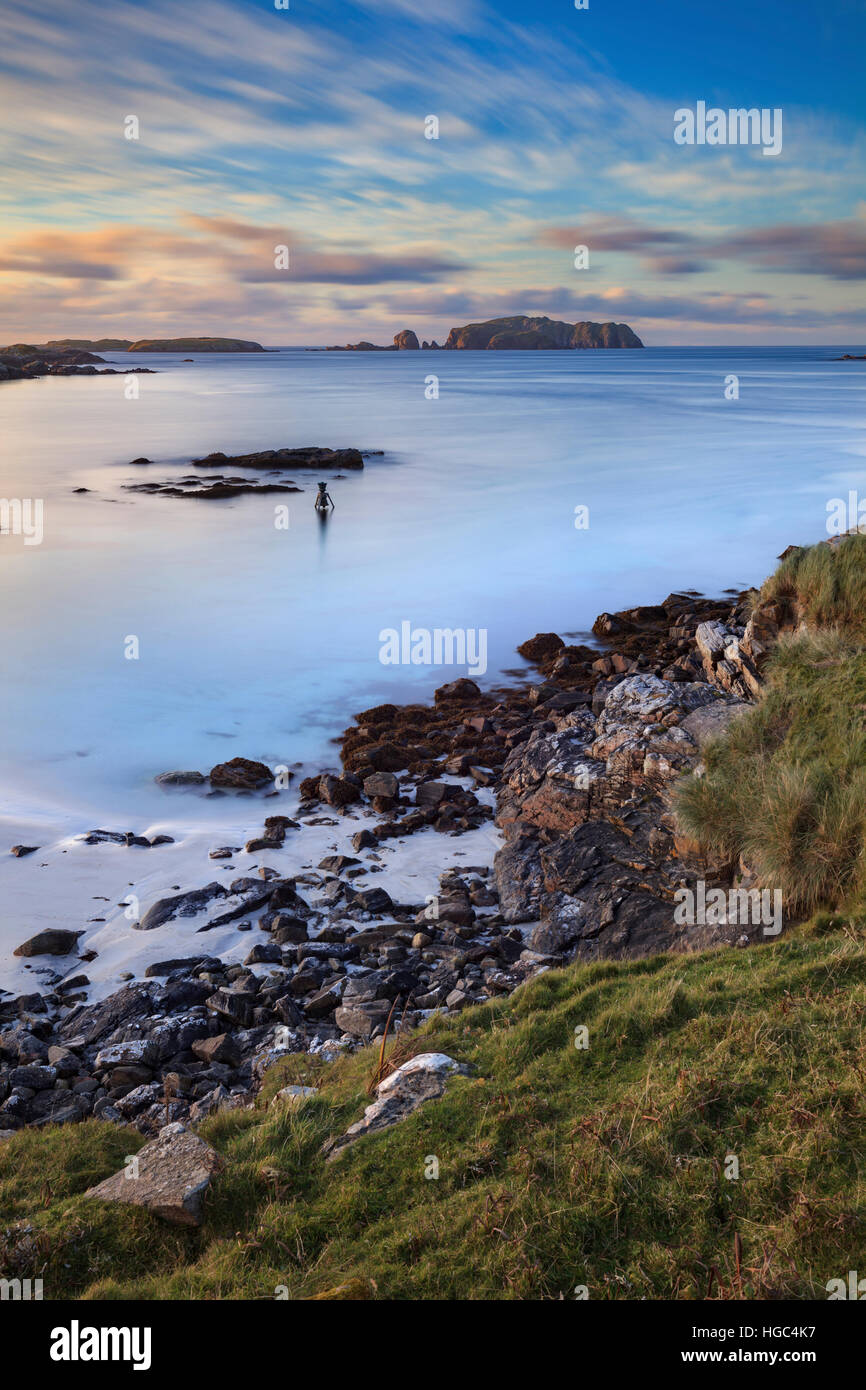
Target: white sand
x: 65, y: 883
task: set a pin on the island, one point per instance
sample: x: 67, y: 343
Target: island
x: 195, y: 345
x: 518, y: 333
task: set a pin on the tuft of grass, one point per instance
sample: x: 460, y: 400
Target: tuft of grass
x: 828, y: 583
x: 785, y: 788
x: 558, y: 1165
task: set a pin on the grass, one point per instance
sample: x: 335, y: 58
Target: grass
x: 558, y: 1166
x: 785, y: 788
x: 608, y: 1167
x: 828, y: 584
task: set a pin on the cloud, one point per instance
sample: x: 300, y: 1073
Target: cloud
x: 833, y: 249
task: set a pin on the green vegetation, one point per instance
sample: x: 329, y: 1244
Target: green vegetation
x: 559, y: 1166
x: 608, y: 1166
x: 827, y: 582
x: 785, y: 789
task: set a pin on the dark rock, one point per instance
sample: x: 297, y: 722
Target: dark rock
x: 240, y: 774
x: 54, y: 941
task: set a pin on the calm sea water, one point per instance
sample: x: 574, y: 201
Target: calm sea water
x: 263, y: 642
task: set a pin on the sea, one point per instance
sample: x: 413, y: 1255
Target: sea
x: 514, y: 493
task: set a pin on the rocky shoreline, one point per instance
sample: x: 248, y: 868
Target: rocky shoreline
x: 570, y: 776
x: 23, y: 362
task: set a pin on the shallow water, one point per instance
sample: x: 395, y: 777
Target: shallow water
x: 262, y: 642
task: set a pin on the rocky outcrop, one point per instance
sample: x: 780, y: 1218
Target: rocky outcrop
x: 24, y: 361
x: 240, y: 774
x: 403, y: 340
x: 522, y: 333
x: 421, y: 1079
x: 310, y: 457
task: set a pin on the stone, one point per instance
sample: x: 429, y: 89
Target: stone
x: 369, y: 899
x: 543, y: 644
x: 233, y: 1005
x: 294, y: 1095
x: 136, y: 1052
x: 420, y: 1079
x: 431, y: 793
x: 462, y: 689
x: 381, y: 784
x: 337, y: 791
x: 190, y: 965
x: 20, y: 851
x: 54, y: 941
x: 337, y: 863
x: 361, y: 1019
x: 180, y: 779
x: 221, y: 1048
x: 33, y: 1078
x: 264, y: 953
x: 240, y: 774
x: 182, y: 905
x: 169, y: 1176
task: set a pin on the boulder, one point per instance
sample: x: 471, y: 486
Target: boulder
x: 169, y: 1176
x: 462, y: 689
x: 54, y: 941
x: 337, y: 791
x: 240, y: 774
x: 421, y: 1079
x: 381, y: 784
x: 543, y: 644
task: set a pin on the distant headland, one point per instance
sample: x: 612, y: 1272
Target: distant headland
x: 517, y: 333
x: 158, y: 345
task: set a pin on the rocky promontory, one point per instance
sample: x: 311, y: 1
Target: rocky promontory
x: 26, y: 361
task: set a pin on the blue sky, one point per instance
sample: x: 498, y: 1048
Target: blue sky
x: 260, y: 127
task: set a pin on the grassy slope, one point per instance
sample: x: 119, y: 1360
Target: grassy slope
x: 562, y: 1167
x: 558, y: 1166
x: 786, y: 788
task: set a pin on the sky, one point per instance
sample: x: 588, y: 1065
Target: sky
x: 306, y: 128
